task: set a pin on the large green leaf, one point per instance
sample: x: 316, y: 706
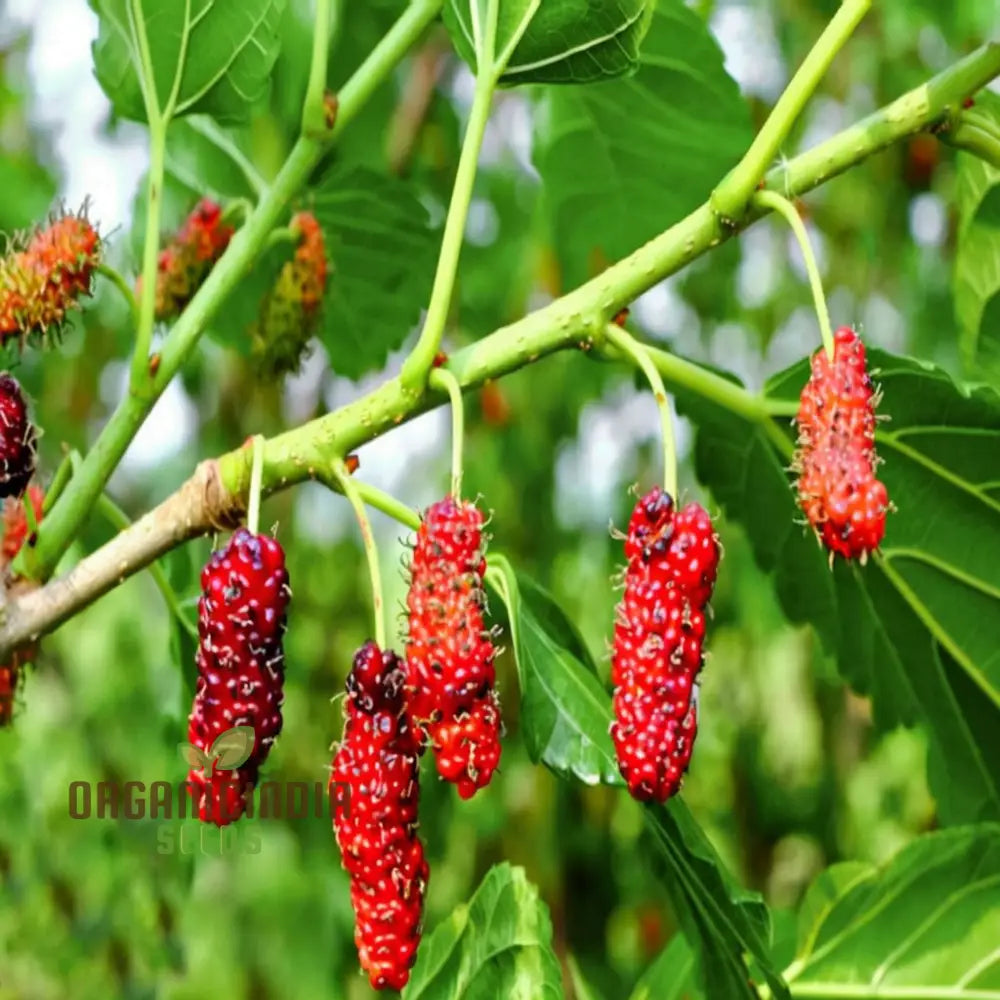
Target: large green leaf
x: 671, y: 976
x: 497, y: 945
x: 565, y: 718
x: 918, y: 628
x: 977, y: 256
x: 210, y: 56
x: 382, y: 250
x: 566, y: 41
x: 925, y: 925
x: 654, y: 143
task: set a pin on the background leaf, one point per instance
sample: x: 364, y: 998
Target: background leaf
x: 925, y: 924
x: 672, y: 976
x: 654, y: 143
x: 567, y: 41
x: 919, y: 628
x: 498, y: 945
x: 221, y: 51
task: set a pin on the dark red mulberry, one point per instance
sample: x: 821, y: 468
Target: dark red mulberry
x: 17, y: 439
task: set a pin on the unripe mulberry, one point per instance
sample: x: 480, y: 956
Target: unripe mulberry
x: 449, y: 653
x: 241, y: 665
x: 184, y: 263
x: 842, y: 499
x: 671, y: 563
x: 40, y: 283
x: 375, y: 790
x: 290, y: 311
x: 17, y: 439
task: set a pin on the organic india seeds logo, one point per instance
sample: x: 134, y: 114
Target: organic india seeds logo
x: 231, y: 749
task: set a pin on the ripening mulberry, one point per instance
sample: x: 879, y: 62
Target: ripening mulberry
x: 184, y: 263
x: 17, y: 439
x: 838, y: 491
x: 375, y: 791
x: 40, y: 283
x: 671, y: 562
x: 241, y: 665
x: 290, y: 311
x: 449, y: 653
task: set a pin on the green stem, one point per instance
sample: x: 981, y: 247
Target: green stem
x: 730, y: 198
x: 637, y: 353
x: 313, y: 112
x: 441, y: 378
x: 972, y: 139
x: 126, y: 292
x: 59, y: 481
x: 417, y: 366
x: 256, y: 474
x: 784, y: 208
x: 280, y: 235
x: 67, y: 516
x: 151, y: 248
x: 389, y: 505
x: 346, y: 486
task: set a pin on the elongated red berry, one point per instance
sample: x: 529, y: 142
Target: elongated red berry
x: 375, y: 789
x: 449, y: 653
x: 842, y: 499
x: 40, y: 283
x: 184, y: 263
x: 17, y: 439
x: 671, y: 562
x: 290, y: 311
x: 241, y: 665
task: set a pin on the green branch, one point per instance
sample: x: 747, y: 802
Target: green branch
x: 82, y: 492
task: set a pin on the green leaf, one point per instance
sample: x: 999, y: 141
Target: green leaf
x: 672, y: 976
x: 926, y: 924
x: 555, y: 621
x: 497, y: 945
x: 565, y: 717
x: 566, y: 41
x: 977, y: 257
x: 207, y: 159
x: 582, y: 989
x: 918, y: 628
x: 382, y: 250
x: 654, y: 144
x: 208, y: 56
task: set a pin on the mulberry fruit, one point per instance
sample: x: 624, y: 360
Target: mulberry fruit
x: 842, y: 499
x: 42, y: 282
x: 374, y: 788
x: 17, y: 439
x: 290, y: 311
x: 184, y: 263
x: 241, y: 665
x: 449, y: 654
x: 672, y: 558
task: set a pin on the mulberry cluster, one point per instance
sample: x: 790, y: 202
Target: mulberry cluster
x: 375, y: 791
x: 17, y: 439
x: 290, y: 311
x: 40, y: 283
x: 241, y: 665
x: 449, y: 654
x: 672, y: 558
x: 843, y: 501
x: 184, y: 263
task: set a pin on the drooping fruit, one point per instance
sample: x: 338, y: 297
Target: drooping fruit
x: 184, y: 263
x: 842, y: 499
x: 671, y: 562
x: 449, y: 653
x: 290, y: 311
x: 17, y: 439
x: 40, y: 283
x: 375, y: 791
x: 241, y: 666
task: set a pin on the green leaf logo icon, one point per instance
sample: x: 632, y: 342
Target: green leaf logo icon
x: 228, y: 752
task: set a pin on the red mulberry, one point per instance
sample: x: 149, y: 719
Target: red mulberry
x: 241, y: 664
x: 375, y: 791
x: 290, y: 311
x: 842, y: 500
x: 672, y: 559
x: 17, y: 439
x: 449, y: 655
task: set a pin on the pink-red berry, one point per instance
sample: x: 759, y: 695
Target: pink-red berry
x: 450, y: 653
x: 671, y: 562
x: 17, y: 439
x: 241, y: 665
x: 842, y: 499
x: 375, y: 790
